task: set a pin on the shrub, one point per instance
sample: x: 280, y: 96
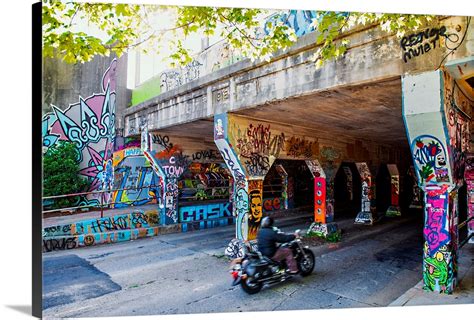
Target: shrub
x: 60, y: 173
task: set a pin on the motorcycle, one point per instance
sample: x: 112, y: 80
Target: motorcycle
x: 254, y: 270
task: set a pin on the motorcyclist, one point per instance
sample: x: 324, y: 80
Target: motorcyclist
x: 268, y: 237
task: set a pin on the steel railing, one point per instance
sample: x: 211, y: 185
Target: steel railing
x: 102, y: 194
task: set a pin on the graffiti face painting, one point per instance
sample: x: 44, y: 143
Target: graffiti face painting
x: 430, y: 160
x: 255, y: 202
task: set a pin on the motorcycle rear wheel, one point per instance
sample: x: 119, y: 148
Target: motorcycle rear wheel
x: 250, y: 287
x: 306, y: 265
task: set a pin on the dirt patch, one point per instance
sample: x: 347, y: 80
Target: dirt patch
x: 313, y: 241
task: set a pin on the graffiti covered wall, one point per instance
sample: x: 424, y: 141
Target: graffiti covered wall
x: 133, y: 170
x: 90, y: 125
x: 87, y: 233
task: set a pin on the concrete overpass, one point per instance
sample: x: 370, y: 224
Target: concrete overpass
x: 384, y: 101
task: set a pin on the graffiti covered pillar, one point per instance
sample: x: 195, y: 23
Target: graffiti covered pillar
x: 435, y: 114
x: 321, y: 225
x: 319, y: 180
x: 169, y: 164
x: 330, y: 161
x: 367, y: 210
x: 249, y: 151
x: 240, y: 190
x: 284, y: 181
x: 469, y: 177
x: 394, y: 208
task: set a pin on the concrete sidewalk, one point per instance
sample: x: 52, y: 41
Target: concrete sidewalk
x: 463, y: 294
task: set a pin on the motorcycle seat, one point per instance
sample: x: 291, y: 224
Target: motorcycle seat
x: 270, y: 260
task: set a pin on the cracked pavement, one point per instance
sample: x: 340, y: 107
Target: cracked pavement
x: 187, y: 273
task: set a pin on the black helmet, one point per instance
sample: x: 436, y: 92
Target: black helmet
x: 267, y: 222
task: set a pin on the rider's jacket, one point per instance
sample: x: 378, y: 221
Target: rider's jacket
x: 269, y: 237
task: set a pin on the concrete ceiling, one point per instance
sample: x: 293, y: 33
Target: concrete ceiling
x: 370, y: 111
x: 201, y: 129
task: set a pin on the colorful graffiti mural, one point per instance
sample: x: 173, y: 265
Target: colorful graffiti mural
x: 132, y: 170
x: 436, y: 230
x: 429, y: 156
x: 272, y: 204
x: 205, y: 212
x: 90, y: 125
x: 205, y: 216
x: 438, y: 270
x: 439, y: 260
x: 255, y: 206
x: 98, y: 231
x: 298, y: 20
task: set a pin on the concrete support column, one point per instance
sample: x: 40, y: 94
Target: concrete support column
x: 330, y: 169
x: 438, y: 161
x: 248, y: 157
x: 169, y: 164
x: 320, y: 226
x: 394, y: 208
x: 284, y: 180
x: 367, y: 210
x: 319, y: 180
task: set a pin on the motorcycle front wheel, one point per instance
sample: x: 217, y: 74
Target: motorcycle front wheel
x: 306, y: 265
x: 250, y: 287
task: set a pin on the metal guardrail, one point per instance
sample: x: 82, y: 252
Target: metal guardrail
x: 102, y: 193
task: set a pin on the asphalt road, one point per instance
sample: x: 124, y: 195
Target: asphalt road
x: 186, y: 273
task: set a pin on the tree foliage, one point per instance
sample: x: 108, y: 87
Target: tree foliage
x: 127, y: 26
x: 110, y: 28
x: 60, y: 173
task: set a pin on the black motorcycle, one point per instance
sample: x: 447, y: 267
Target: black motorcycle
x: 254, y: 270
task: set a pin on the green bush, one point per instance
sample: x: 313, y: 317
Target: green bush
x: 60, y: 174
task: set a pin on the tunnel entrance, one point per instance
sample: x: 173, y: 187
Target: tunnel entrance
x: 300, y: 187
x: 347, y: 191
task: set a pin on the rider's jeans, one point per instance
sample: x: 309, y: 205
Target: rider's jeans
x: 286, y: 254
